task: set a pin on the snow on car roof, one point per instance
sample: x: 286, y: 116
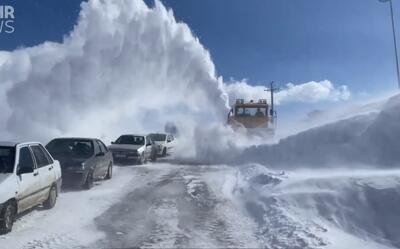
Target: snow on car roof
x: 12, y: 144
x: 77, y: 138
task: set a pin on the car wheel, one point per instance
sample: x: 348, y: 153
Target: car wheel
x: 109, y: 171
x: 52, y: 199
x: 89, y: 181
x: 164, y: 152
x: 7, y: 218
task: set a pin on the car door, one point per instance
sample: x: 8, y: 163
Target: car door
x: 103, y: 158
x: 107, y: 152
x: 98, y: 157
x: 149, y: 145
x: 170, y: 143
x: 45, y: 169
x: 29, y: 183
x: 108, y: 155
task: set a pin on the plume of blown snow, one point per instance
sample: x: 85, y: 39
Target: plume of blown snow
x: 124, y: 68
x: 128, y: 68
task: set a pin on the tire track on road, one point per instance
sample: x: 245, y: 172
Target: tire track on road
x: 174, y: 209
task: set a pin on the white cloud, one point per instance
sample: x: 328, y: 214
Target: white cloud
x: 310, y: 92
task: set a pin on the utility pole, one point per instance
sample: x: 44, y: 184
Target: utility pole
x: 272, y: 90
x: 394, y: 39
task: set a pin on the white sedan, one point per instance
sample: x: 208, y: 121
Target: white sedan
x: 29, y: 176
x: 165, y: 143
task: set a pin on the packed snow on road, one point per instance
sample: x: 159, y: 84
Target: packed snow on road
x: 248, y: 206
x: 331, y: 181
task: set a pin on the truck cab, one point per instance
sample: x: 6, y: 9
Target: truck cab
x: 251, y: 115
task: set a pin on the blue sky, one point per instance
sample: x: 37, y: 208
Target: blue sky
x: 346, y: 41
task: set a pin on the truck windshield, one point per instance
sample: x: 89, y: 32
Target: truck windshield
x: 81, y: 148
x: 251, y: 111
x: 7, y: 157
x: 128, y: 139
x: 158, y: 137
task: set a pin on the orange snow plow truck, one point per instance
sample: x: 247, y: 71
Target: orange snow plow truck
x: 252, y: 116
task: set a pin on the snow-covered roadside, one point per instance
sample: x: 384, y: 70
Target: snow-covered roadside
x: 336, y: 209
x: 70, y: 223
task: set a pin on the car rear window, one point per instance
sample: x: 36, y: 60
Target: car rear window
x: 82, y: 148
x: 7, y: 159
x: 158, y: 137
x: 127, y: 139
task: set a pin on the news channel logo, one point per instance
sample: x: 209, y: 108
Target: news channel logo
x: 7, y: 18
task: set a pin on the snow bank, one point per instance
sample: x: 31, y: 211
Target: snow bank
x: 380, y: 143
x: 317, y: 208
x: 370, y: 139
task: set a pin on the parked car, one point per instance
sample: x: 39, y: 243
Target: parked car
x: 133, y: 148
x: 29, y: 176
x: 82, y: 160
x: 164, y: 142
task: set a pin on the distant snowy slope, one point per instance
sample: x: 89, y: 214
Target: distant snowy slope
x: 366, y: 139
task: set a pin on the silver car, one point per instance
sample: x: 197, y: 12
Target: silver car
x: 82, y: 160
x: 132, y: 148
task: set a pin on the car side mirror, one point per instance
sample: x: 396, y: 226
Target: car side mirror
x: 169, y: 141
x: 100, y: 154
x: 112, y: 142
x: 25, y: 170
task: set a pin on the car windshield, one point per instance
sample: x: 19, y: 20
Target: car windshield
x: 81, y: 148
x: 158, y: 137
x: 7, y: 157
x: 128, y: 139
